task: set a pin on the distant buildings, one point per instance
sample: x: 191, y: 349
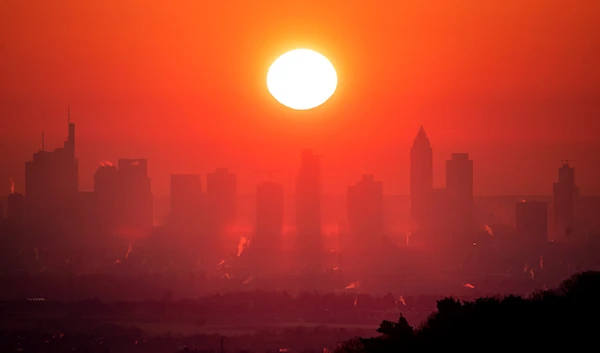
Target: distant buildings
x: 459, y: 193
x: 122, y: 202
x: 421, y: 179
x: 122, y: 197
x: 106, y: 197
x: 365, y: 208
x: 134, y: 199
x: 52, y: 184
x: 308, y: 197
x: 531, y: 222
x: 308, y: 213
x: 16, y: 207
x: 565, y: 197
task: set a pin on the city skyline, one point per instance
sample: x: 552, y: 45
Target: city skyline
x: 516, y: 98
x: 317, y: 176
x: 122, y: 197
x: 287, y: 177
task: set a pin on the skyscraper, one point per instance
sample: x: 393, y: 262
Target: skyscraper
x: 186, y: 201
x: 459, y: 193
x: 308, y: 213
x: 16, y: 207
x: 365, y: 208
x: 531, y: 222
x: 52, y: 183
x: 565, y: 197
x: 106, y: 194
x: 135, y: 200
x: 421, y: 178
x: 221, y: 197
x: 308, y: 197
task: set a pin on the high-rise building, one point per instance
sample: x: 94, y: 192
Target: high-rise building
x: 459, y: 194
x: 135, y: 201
x: 186, y: 201
x: 269, y: 212
x: 421, y: 179
x: 105, y: 211
x: 221, y: 197
x: 365, y: 208
x: 531, y: 221
x: 52, y: 183
x: 16, y: 207
x: 564, y: 201
x: 309, y: 243
x: 308, y: 197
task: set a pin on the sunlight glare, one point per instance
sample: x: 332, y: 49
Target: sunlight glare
x: 302, y: 79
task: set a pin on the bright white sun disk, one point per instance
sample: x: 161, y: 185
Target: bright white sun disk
x: 302, y: 79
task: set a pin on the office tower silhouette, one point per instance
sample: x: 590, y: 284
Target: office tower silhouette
x: 365, y: 210
x: 52, y: 184
x: 266, y: 247
x: 531, y: 222
x: 186, y: 202
x: 421, y: 179
x: 308, y: 196
x: 106, y: 197
x: 16, y: 207
x: 135, y: 201
x: 459, y: 195
x: 565, y: 196
x: 308, y: 211
x: 221, y: 199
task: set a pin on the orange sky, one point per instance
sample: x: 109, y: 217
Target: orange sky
x: 183, y: 83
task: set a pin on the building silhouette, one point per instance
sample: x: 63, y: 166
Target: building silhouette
x: 52, y: 184
x: 459, y: 195
x: 308, y: 211
x: 365, y: 209
x: 135, y: 204
x: 267, y: 242
x: 421, y: 179
x: 531, y: 222
x: 308, y: 196
x: 565, y: 195
x: 105, y: 210
x: 16, y: 207
x: 186, y: 202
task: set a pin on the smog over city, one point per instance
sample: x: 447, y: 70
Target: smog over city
x: 299, y: 177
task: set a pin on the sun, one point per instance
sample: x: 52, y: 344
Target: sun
x: 302, y: 79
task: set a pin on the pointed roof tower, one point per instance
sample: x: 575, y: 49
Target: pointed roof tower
x: 421, y: 140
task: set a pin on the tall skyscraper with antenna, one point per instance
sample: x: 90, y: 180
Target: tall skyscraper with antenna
x: 52, y: 183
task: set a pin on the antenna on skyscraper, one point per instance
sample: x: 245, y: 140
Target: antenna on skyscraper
x: 69, y: 114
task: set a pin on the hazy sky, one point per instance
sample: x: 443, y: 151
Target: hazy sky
x: 515, y: 83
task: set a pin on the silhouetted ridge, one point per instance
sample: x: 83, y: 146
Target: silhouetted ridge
x: 557, y: 319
